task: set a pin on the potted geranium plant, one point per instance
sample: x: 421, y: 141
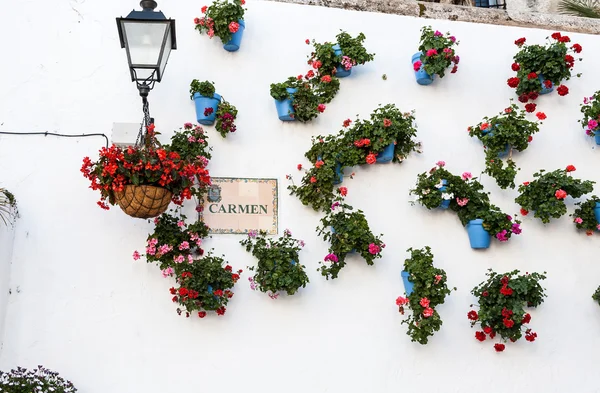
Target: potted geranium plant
x: 8, y: 206
x: 427, y: 288
x: 587, y: 215
x: 591, y: 116
x: 546, y: 194
x: 226, y: 115
x: 465, y: 196
x: 541, y: 67
x: 279, y: 268
x: 38, y: 380
x: 347, y: 231
x: 304, y: 97
x: 224, y: 19
x: 436, y: 54
x: 596, y: 295
x: 143, y: 180
x: 501, y: 135
x: 338, y: 59
x: 501, y: 300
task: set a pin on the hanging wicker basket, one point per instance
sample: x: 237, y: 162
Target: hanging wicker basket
x: 143, y: 201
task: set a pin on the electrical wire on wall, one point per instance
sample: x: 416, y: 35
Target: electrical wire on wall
x: 55, y: 134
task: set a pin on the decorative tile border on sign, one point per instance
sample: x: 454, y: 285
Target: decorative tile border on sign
x: 238, y: 205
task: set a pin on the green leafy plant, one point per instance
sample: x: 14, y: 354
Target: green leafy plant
x: 347, y: 231
x: 205, y: 89
x: 547, y: 64
x: 357, y: 145
x: 546, y: 194
x: 205, y: 285
x: 466, y: 197
x: 38, y: 380
x: 179, y: 167
x: 596, y: 295
x: 279, y: 267
x: 584, y: 217
x: 582, y: 8
x: 8, y: 206
x: 325, y: 61
x: 591, y: 114
x: 221, y: 19
x: 501, y: 300
x: 437, y: 52
x: 429, y: 291
x: 226, y: 115
x: 508, y: 130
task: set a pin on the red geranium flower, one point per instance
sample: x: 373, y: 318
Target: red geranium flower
x: 570, y: 168
x: 564, y: 38
x: 321, y: 108
x: 524, y: 98
x: 508, y: 323
x: 480, y: 336
x: 313, y: 179
x: 371, y: 158
x: 547, y: 84
x: 307, y: 41
x: 202, y: 314
x: 203, y: 9
x: 529, y: 138
x: 520, y: 41
x: 487, y: 330
x: 299, y: 167
x: 530, y: 107
x: 532, y: 75
x: 506, y: 291
x: 515, y: 67
x: 556, y: 35
x: 560, y: 194
x: 562, y: 90
x: 319, y: 164
x: 472, y: 315
x: 513, y: 82
x: 576, y: 48
x: 347, y: 122
x: 499, y: 347
x: 485, y: 294
x: 343, y: 191
x: 541, y: 115
x: 526, y: 318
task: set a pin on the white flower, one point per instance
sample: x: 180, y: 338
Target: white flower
x: 427, y: 191
x: 447, y: 196
x: 440, y: 184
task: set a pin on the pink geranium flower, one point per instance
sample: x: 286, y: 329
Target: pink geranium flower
x: 578, y: 220
x: 374, y: 248
x: 401, y: 301
x: 428, y: 312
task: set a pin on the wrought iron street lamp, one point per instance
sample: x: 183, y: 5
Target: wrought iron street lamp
x: 148, y: 37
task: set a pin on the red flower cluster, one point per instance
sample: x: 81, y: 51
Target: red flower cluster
x: 570, y: 168
x: 472, y: 315
x: 570, y: 60
x: 532, y: 75
x: 513, y: 82
x: 529, y: 335
x: 520, y: 41
x: 347, y: 122
x: 362, y: 142
x: 562, y: 90
x: 515, y: 67
x: 530, y: 107
x: 505, y: 290
x: 371, y: 158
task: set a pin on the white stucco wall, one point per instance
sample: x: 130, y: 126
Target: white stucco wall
x: 106, y: 322
x: 7, y: 237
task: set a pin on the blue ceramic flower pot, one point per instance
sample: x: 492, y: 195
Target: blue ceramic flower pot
x: 597, y: 212
x: 478, y: 236
x: 285, y: 108
x: 234, y: 43
x: 353, y: 250
x: 445, y: 202
x: 408, y: 285
x: 544, y: 89
x: 387, y: 154
x: 597, y: 136
x: 202, y: 103
x: 423, y: 78
x: 341, y: 72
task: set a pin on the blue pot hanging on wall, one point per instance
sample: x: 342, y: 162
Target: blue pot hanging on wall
x: 506, y: 150
x: 597, y: 212
x: 544, y: 89
x: 341, y: 72
x: 202, y: 103
x: 236, y: 39
x: 285, y: 108
x: 597, y: 136
x: 478, y: 236
x: 387, y: 154
x: 423, y: 78
x: 445, y: 202
x: 408, y: 285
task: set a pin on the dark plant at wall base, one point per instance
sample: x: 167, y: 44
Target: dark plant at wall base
x: 501, y: 135
x: 429, y: 289
x: 143, y: 180
x: 439, y: 188
x: 501, y: 300
x: 38, y: 380
x: 540, y: 68
x: 596, y: 295
x: 591, y: 116
x: 279, y: 268
x: 225, y: 20
x: 546, y: 194
x: 348, y: 232
x: 587, y: 215
x: 8, y: 206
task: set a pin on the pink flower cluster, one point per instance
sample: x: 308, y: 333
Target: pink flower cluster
x: 331, y: 257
